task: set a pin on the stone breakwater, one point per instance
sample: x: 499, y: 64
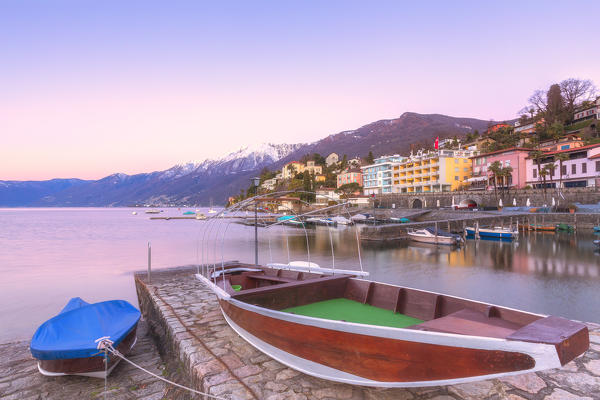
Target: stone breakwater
x: 185, y: 318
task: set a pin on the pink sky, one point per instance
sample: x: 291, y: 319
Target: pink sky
x: 91, y: 93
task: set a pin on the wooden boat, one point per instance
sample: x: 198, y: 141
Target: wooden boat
x: 334, y: 325
x: 532, y: 227
x: 429, y: 235
x: 496, y: 232
x: 67, y: 343
x: 153, y: 211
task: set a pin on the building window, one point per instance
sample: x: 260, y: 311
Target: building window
x: 574, y: 168
x: 597, y: 166
x: 563, y: 170
x: 456, y: 169
x: 456, y: 161
x: 466, y: 169
x: 535, y: 173
x: 584, y: 168
x: 456, y: 178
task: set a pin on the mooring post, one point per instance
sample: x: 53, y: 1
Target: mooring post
x: 476, y: 229
x: 575, y: 223
x: 149, y: 262
x: 436, y: 232
x: 448, y: 225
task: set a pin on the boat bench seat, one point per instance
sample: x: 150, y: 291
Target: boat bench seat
x: 470, y: 322
x: 270, y: 278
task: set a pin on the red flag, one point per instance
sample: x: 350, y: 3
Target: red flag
x: 437, y: 142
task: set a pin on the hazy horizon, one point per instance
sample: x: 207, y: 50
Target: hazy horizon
x: 91, y: 89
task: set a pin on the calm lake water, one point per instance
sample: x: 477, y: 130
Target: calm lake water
x: 50, y: 255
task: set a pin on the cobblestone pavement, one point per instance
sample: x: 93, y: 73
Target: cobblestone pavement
x: 186, y: 315
x: 20, y: 378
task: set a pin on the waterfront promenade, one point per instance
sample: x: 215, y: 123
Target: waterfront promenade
x: 190, y: 328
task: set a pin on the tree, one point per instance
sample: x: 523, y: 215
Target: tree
x: 506, y: 173
x: 292, y: 169
x: 370, y: 159
x: 307, y: 186
x: 556, y: 131
x: 496, y: 169
x: 537, y: 156
x: 344, y: 162
x: 575, y: 91
x: 555, y: 109
x: 348, y: 188
x: 561, y: 157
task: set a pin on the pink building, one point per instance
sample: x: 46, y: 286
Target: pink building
x: 350, y: 176
x: 514, y: 157
x: 581, y: 169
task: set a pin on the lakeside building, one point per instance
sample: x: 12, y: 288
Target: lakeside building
x: 331, y: 159
x: 431, y: 171
x: 292, y: 168
x: 528, y: 126
x: 581, y: 169
x: 269, y: 184
x: 377, y: 177
x: 515, y: 157
x: 496, y: 127
x: 353, y: 175
x: 325, y: 195
x: 590, y: 112
x: 570, y: 141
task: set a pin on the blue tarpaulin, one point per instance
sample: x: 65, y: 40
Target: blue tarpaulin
x: 72, y: 333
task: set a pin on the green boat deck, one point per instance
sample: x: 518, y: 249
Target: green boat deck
x: 352, y: 311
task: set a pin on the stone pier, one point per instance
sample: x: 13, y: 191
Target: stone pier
x: 185, y: 319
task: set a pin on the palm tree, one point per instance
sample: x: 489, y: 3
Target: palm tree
x: 496, y: 169
x: 537, y: 156
x: 561, y: 158
x: 506, y: 173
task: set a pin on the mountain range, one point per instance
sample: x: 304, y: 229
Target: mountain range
x: 216, y: 179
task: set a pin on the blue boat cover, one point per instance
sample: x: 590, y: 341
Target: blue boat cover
x: 72, y: 333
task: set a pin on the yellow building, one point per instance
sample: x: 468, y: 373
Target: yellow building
x: 432, y: 171
x: 292, y: 168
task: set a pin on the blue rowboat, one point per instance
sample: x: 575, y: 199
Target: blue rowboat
x: 597, y: 228
x: 497, y: 232
x: 67, y: 344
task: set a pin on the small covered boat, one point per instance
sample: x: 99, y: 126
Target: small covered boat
x: 495, y: 232
x: 189, y: 213
x: 565, y: 227
x: 431, y: 236
x: 597, y: 243
x: 341, y: 220
x: 67, y: 344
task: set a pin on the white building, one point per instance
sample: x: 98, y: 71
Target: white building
x: 331, y: 159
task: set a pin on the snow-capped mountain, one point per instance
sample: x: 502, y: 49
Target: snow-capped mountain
x: 195, y: 183
x: 189, y: 183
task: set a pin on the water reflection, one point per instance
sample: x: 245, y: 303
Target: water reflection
x: 62, y: 253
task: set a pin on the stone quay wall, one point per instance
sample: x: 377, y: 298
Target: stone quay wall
x: 487, y: 198
x: 450, y: 223
x: 185, y: 318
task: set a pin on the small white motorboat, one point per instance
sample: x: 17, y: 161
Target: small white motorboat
x: 428, y: 235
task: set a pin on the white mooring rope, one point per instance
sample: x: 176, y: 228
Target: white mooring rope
x: 107, y: 346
